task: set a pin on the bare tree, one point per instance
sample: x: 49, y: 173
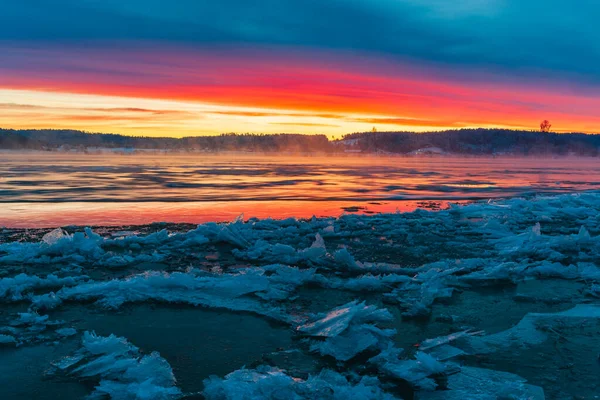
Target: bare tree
x: 545, y: 126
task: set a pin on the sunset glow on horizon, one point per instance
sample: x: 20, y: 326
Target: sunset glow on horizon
x: 170, y: 82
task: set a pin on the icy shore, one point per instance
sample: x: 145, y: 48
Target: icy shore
x: 422, y: 305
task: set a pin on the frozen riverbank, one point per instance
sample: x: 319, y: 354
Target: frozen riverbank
x: 422, y: 305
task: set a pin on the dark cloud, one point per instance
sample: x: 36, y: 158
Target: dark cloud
x: 514, y: 37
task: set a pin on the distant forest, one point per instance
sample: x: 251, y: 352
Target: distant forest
x: 464, y: 141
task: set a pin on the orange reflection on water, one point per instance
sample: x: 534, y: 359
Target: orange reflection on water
x: 44, y: 215
x: 51, y: 189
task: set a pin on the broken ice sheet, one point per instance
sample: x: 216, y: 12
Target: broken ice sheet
x: 31, y: 328
x: 484, y: 384
x: 246, y: 290
x: 54, y: 236
x: 480, y: 244
x: 533, y: 329
x: 428, y: 344
x: 271, y: 383
x: 348, y: 330
x: 334, y: 322
x: 120, y: 369
x: 420, y: 373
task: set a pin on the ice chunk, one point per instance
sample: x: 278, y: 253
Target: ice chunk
x: 7, y: 339
x: 445, y: 352
x: 329, y: 229
x: 420, y: 372
x: 316, y: 250
x: 349, y: 330
x: 18, y: 287
x: 418, y: 295
x: 533, y: 329
x: 509, y: 272
x: 584, y: 235
x: 30, y: 327
x: 272, y: 383
x: 283, y: 253
x: 30, y: 319
x: 514, y: 243
x: 484, y: 384
x: 443, y: 340
x: 240, y: 291
x: 235, y: 233
x: 367, y: 282
x: 354, y: 341
x: 66, y: 332
x: 337, y: 320
x: 122, y: 371
x: 344, y: 258
x: 55, y: 236
x: 45, y: 301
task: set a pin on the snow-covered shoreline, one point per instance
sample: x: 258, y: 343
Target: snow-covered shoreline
x: 380, y: 303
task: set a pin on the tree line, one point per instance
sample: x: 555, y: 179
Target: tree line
x: 463, y: 141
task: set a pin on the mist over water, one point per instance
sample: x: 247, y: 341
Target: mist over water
x: 59, y: 189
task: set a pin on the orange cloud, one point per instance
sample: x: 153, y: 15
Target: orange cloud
x: 294, y: 89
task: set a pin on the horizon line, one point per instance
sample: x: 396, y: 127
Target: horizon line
x: 328, y: 137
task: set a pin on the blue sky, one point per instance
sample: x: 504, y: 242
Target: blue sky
x: 528, y: 36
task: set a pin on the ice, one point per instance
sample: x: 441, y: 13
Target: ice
x: 7, y: 339
x: 235, y: 233
x: 283, y: 253
x: 345, y: 262
x: 283, y: 281
x: 55, y: 236
x: 272, y: 383
x: 445, y: 352
x: 19, y: 287
x: 367, y: 282
x: 241, y: 291
x: 533, y: 329
x: 595, y: 290
x: 30, y: 319
x: 315, y: 251
x: 353, y: 341
x: 421, y: 262
x: 66, y: 332
x: 31, y: 328
x: 344, y: 258
x: 419, y: 372
x: 339, y: 319
x: 484, y: 384
x: 428, y: 344
x: 349, y: 330
x: 121, y: 370
x: 45, y: 301
x: 417, y: 295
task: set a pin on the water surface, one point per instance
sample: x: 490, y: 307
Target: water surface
x: 51, y: 189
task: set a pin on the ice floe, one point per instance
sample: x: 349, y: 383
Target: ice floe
x: 272, y: 383
x: 119, y: 369
x: 348, y: 330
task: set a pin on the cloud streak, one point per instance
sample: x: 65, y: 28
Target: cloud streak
x: 529, y: 37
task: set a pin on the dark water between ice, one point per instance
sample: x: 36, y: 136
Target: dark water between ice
x: 45, y: 189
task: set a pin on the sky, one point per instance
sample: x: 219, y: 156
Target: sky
x: 195, y: 67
